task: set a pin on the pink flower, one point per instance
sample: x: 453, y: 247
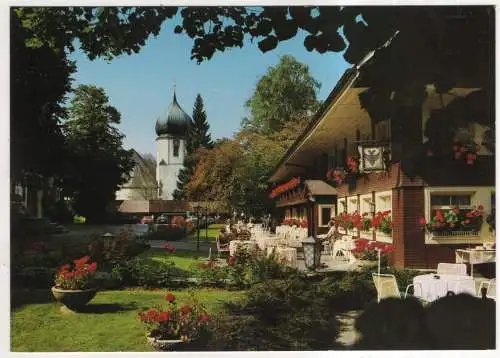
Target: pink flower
x: 422, y: 221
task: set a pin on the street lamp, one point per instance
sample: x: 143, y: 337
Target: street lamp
x: 197, y: 211
x: 206, y: 224
x: 312, y: 249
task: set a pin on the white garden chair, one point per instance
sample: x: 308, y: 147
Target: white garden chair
x: 221, y: 248
x: 387, y: 286
x: 451, y: 269
x: 490, y: 289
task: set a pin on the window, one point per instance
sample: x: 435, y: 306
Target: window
x: 176, y: 147
x: 325, y: 213
x: 446, y: 202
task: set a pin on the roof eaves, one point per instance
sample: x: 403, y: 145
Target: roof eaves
x: 346, y: 79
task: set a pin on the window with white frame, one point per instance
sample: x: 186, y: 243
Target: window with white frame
x: 384, y: 203
x: 325, y: 212
x: 447, y: 202
x: 365, y: 205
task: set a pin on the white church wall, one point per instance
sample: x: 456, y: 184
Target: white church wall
x: 168, y: 172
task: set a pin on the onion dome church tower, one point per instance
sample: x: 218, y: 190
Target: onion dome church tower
x: 171, y: 131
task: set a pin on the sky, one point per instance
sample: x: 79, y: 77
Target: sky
x: 140, y: 86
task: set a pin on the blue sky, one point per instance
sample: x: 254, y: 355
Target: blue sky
x: 140, y: 86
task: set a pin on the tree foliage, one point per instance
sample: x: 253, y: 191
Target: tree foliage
x: 40, y: 80
x: 99, y: 163
x: 198, y: 137
x: 286, y: 92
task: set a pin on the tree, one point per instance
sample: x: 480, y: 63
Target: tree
x: 99, y: 163
x: 286, y: 92
x: 198, y: 137
x: 40, y: 79
x: 399, y: 49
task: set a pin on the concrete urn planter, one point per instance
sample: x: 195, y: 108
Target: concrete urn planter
x: 174, y: 344
x: 74, y: 299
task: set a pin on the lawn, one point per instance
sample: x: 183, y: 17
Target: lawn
x: 109, y: 324
x: 209, y: 235
x: 183, y: 259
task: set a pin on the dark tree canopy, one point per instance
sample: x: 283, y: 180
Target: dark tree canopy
x: 198, y: 137
x: 40, y: 80
x: 99, y: 164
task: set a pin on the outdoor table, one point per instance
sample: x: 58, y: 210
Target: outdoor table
x: 288, y: 255
x: 474, y: 256
x: 236, y: 245
x: 431, y: 287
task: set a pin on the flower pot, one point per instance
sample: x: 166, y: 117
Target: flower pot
x: 174, y: 344
x: 366, y: 263
x: 73, y: 299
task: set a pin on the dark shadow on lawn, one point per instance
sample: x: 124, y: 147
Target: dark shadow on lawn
x: 101, y: 308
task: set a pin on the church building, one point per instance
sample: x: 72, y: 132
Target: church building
x: 160, y: 181
x: 171, y: 131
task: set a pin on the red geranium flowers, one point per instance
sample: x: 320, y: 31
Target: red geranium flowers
x: 170, y: 322
x: 79, y: 278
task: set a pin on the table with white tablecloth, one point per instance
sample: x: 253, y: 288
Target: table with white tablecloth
x: 431, y: 287
x: 235, y: 245
x: 344, y: 246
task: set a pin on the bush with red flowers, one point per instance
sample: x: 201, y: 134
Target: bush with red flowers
x: 382, y: 221
x: 368, y: 250
x: 454, y: 220
x: 176, y: 321
x: 77, y: 276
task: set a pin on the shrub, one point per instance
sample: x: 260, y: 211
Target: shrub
x: 279, y: 315
x: 210, y: 274
x: 108, y: 280
x: 121, y: 247
x: 139, y: 272
x: 33, y: 277
x: 166, y: 233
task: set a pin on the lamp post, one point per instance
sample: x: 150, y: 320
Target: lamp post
x: 206, y: 224
x: 312, y: 253
x: 197, y: 211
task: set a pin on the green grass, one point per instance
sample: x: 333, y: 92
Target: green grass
x: 109, y: 325
x: 213, y: 232
x: 183, y: 259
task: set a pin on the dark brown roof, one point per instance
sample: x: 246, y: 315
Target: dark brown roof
x: 319, y: 187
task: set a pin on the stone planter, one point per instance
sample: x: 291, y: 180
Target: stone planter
x: 367, y: 263
x: 174, y: 344
x: 73, y: 299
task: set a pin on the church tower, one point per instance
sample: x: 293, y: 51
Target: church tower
x: 171, y: 131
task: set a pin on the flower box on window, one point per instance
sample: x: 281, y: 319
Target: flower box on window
x: 454, y: 222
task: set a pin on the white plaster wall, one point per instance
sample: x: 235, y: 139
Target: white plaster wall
x: 169, y: 172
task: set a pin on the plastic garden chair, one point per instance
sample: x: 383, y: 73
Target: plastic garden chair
x: 387, y: 286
